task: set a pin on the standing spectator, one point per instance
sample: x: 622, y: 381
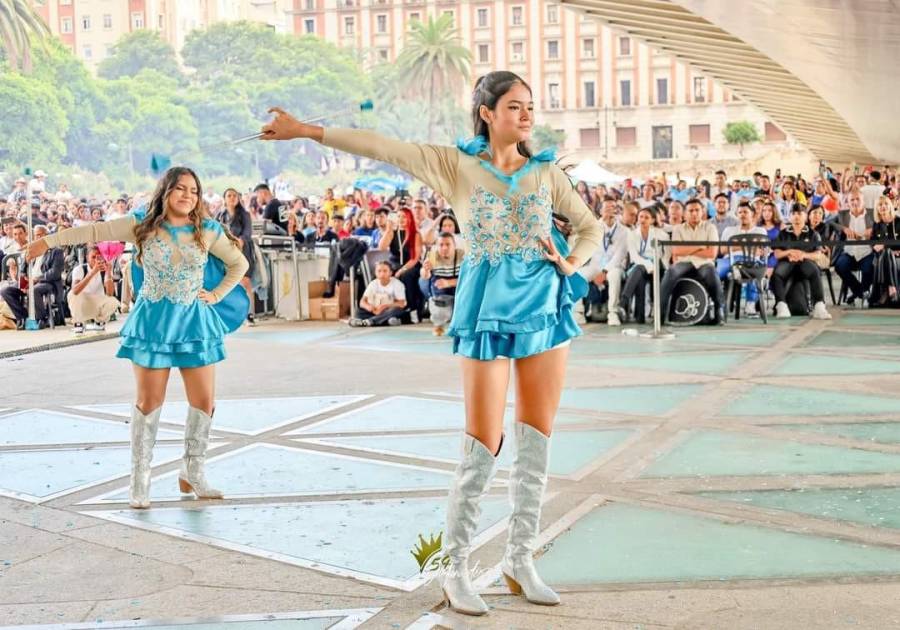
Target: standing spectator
x: 872, y: 191
x: 237, y: 220
x: 798, y: 260
x: 38, y: 184
x: 63, y: 194
x: 720, y: 185
x: 699, y: 259
x: 330, y: 204
x: 384, y: 300
x: 857, y: 226
x: 91, y: 298
x: 273, y: 210
x: 19, y: 192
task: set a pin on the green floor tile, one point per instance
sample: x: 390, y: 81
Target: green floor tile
x: 625, y: 543
x: 652, y: 400
x: 627, y: 346
x: 881, y: 432
x: 715, y: 336
x: 848, y: 339
x: 865, y: 319
x: 720, y: 454
x: 695, y: 363
x: 287, y: 337
x: 825, y: 365
x: 869, y: 506
x: 569, y: 452
x: 769, y: 400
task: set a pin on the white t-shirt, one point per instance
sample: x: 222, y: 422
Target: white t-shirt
x: 94, y: 287
x: 377, y: 294
x: 858, y: 225
x: 870, y: 194
x: 734, y: 230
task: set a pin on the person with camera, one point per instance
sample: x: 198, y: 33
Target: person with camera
x: 92, y: 296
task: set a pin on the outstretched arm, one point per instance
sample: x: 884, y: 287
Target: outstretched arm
x: 435, y: 165
x: 118, y: 230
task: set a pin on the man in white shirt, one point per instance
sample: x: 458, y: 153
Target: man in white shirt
x: 857, y: 225
x: 91, y: 298
x: 424, y: 222
x: 699, y: 260
x: 745, y: 226
x: 37, y: 184
x: 871, y: 192
x: 607, y: 265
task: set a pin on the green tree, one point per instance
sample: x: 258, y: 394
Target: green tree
x: 19, y: 22
x: 740, y: 133
x: 434, y: 62
x: 545, y: 137
x: 32, y: 122
x: 142, y: 49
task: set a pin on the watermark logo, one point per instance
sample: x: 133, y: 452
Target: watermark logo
x: 428, y: 553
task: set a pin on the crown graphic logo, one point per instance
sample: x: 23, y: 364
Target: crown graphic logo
x: 426, y: 549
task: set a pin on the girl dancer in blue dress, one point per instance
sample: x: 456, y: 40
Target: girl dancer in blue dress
x: 185, y: 306
x: 513, y: 301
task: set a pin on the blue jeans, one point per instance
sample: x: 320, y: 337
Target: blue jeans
x: 723, y: 266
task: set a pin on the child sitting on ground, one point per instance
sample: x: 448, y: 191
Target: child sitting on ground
x: 384, y: 301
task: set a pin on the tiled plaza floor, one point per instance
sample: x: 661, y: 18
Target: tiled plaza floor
x: 700, y: 482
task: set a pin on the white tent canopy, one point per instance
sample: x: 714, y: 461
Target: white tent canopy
x: 589, y: 172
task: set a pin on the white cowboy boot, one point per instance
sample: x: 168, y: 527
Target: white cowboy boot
x: 473, y: 476
x: 196, y: 440
x: 526, y: 487
x: 143, y: 437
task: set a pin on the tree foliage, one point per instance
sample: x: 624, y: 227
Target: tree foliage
x: 741, y: 133
x: 137, y: 51
x: 20, y: 26
x: 545, y: 137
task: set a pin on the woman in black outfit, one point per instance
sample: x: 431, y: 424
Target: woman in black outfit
x: 236, y: 218
x: 886, y: 284
x: 405, y: 245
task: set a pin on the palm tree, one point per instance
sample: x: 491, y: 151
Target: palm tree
x: 18, y: 21
x: 434, y: 62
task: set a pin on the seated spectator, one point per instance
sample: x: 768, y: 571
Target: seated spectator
x: 337, y: 226
x: 675, y: 215
x: 722, y: 220
x: 696, y: 260
x: 6, y: 235
x: 92, y: 296
x: 629, y: 214
x: 798, y: 261
x: 366, y: 227
x: 606, y: 266
x: 384, y: 301
x: 887, y: 258
x: 382, y: 215
x: 857, y: 226
x: 46, y: 274
x: 323, y: 233
x: 828, y: 231
x: 11, y: 278
x: 445, y: 223
x: 405, y: 246
x: 642, y: 266
x: 745, y: 226
x: 438, y: 278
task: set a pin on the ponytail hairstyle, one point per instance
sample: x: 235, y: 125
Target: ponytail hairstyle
x: 489, y: 89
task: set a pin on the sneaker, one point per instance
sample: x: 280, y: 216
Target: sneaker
x: 820, y: 312
x: 100, y: 326
x: 78, y: 329
x: 750, y: 309
x: 395, y: 321
x: 356, y: 322
x: 414, y: 316
x: 251, y: 319
x: 613, y: 319
x: 782, y: 311
x: 90, y: 326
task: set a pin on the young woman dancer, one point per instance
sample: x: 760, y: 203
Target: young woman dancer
x: 513, y: 301
x: 185, y: 306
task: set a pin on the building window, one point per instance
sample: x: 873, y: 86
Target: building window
x: 160, y: 20
x: 483, y: 53
x: 65, y: 2
x: 517, y: 16
x: 414, y: 17
x: 66, y: 25
x: 774, y: 134
x: 137, y: 20
x: 553, y: 49
x: 86, y: 52
x: 553, y: 91
x: 662, y: 143
x: 626, y: 137
x: 662, y: 91
x: 85, y: 22
x: 552, y: 14
x: 698, y: 134
x: 518, y: 51
x: 624, y: 46
x: 482, y: 15
x: 590, y: 99
x: 625, y: 92
x: 383, y: 55
x: 107, y: 21
x: 587, y: 48
x: 452, y: 17
x: 309, y: 27
x: 699, y: 90
x: 310, y: 5
x: 348, y: 26
x: 381, y: 24
x: 590, y: 137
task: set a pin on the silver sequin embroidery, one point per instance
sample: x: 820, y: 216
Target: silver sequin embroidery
x: 501, y: 226
x: 178, y: 282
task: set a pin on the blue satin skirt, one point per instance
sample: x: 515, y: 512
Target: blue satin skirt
x: 513, y: 309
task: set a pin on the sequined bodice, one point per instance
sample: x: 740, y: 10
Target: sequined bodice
x: 503, y: 226
x: 173, y: 269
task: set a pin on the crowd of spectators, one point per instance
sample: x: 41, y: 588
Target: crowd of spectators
x: 424, y: 246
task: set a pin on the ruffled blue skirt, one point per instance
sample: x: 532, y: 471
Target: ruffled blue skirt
x: 513, y: 309
x: 164, y: 334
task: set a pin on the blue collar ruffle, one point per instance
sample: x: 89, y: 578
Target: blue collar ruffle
x: 477, y: 145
